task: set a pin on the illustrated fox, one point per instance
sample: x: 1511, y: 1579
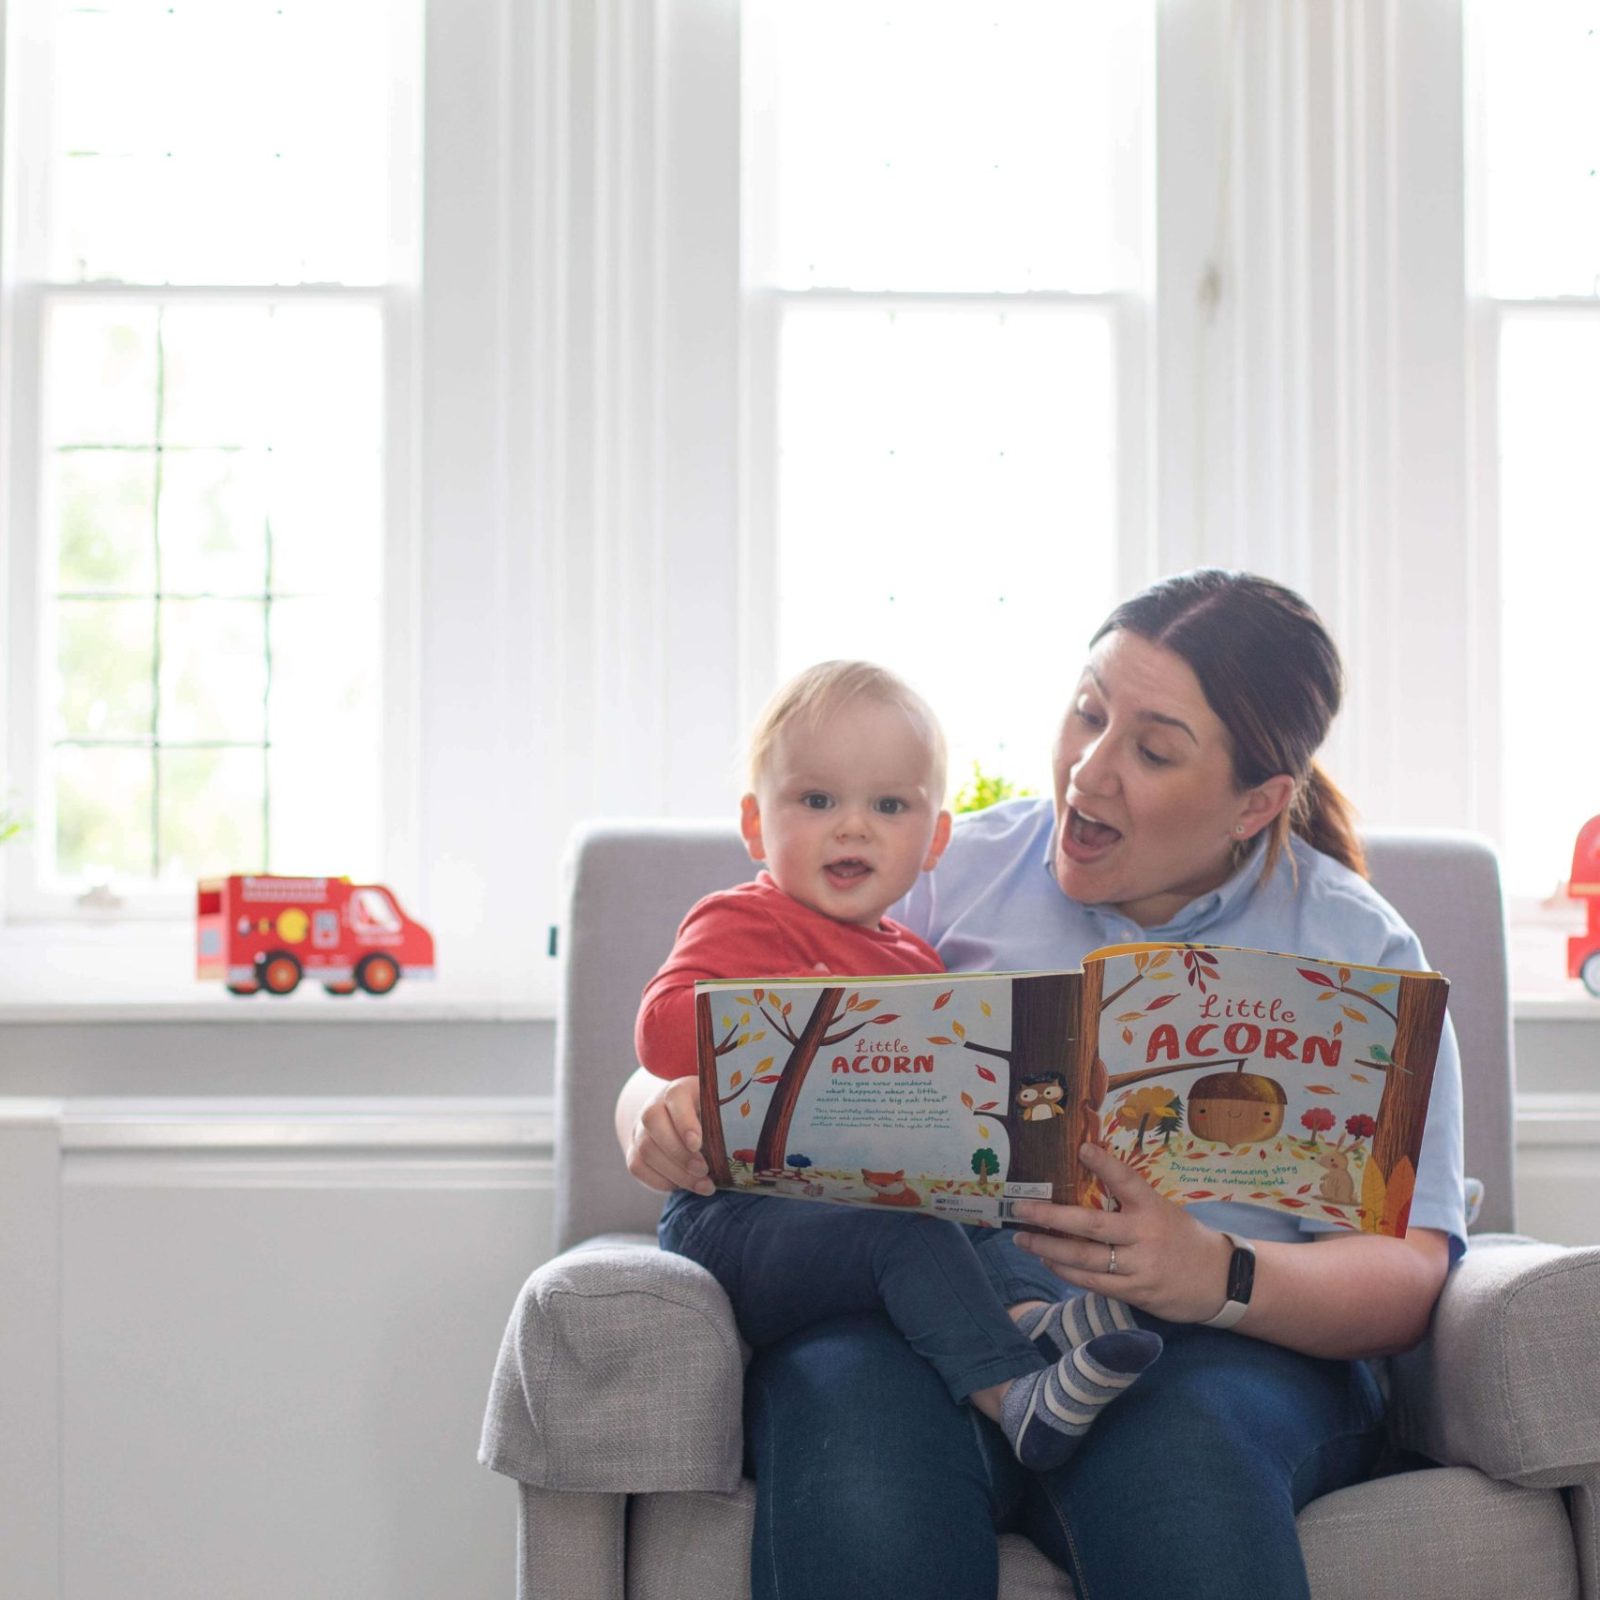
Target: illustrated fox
x: 890, y: 1188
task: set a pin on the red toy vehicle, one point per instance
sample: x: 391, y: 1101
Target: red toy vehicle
x: 269, y: 932
x: 1583, y: 949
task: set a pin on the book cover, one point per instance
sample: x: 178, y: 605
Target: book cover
x: 1219, y: 1074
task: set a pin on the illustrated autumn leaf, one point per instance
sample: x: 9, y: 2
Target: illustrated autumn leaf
x: 1127, y: 1035
x: 763, y: 1064
x: 1344, y: 974
x: 1353, y: 1014
x: 983, y: 1132
x: 759, y: 993
x: 958, y: 1030
x: 1333, y: 1211
x: 852, y: 1003
x: 867, y: 1005
x: 787, y: 1007
x: 987, y: 1009
x: 1140, y: 961
x: 1315, y: 977
x: 1261, y: 1194
x: 744, y: 1110
x: 988, y: 1105
x: 1305, y: 1188
x: 1380, y: 988
x: 986, y: 1075
x: 939, y: 1038
x: 771, y: 1077
x: 1200, y: 1194
x: 1132, y: 1016
x: 727, y: 1022
x: 1161, y: 1000
x: 736, y: 1080
x: 1360, y: 1077
x: 1319, y: 1088
x: 966, y: 1099
x: 943, y: 1000
x: 1287, y: 1201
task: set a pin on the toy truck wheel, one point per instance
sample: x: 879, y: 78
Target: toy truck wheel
x: 280, y: 972
x: 377, y: 974
x: 1590, y: 973
x: 244, y: 988
x: 340, y: 988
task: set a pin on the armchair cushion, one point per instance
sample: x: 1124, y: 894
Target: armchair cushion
x: 621, y: 1371
x: 1505, y: 1380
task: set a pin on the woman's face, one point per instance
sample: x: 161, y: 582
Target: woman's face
x: 1146, y: 803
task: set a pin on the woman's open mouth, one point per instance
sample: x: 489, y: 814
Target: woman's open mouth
x: 1086, y: 839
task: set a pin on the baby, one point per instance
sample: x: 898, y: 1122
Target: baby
x: 847, y: 773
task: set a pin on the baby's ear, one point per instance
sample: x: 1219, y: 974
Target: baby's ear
x: 750, y: 827
x: 941, y: 837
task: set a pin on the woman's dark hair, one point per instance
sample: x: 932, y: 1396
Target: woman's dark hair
x: 1272, y: 675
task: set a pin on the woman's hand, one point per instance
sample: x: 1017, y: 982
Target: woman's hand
x: 662, y: 1139
x: 1168, y: 1262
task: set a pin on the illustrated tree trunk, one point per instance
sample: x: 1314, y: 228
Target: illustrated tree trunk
x: 1406, y: 1086
x: 713, y: 1146
x: 1044, y: 1021
x: 772, y: 1146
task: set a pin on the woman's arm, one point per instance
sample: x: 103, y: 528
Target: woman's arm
x: 1348, y: 1297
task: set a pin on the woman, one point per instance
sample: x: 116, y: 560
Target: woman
x: 1187, y: 806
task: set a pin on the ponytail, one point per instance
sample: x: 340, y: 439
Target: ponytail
x: 1324, y: 818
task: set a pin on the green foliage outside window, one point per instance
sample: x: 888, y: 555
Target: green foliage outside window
x: 984, y: 789
x: 12, y: 821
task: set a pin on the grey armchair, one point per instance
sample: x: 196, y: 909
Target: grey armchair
x: 1498, y: 1410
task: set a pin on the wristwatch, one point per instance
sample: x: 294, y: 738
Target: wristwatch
x: 1241, y: 1280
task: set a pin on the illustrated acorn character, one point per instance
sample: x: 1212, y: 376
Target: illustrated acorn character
x: 1040, y: 1097
x: 1236, y: 1107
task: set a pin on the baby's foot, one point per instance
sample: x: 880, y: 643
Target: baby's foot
x: 1046, y: 1414
x: 1058, y: 1330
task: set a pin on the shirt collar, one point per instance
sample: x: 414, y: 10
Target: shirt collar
x: 1202, y: 912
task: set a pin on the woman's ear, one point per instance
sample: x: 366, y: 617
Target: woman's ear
x: 750, y: 827
x: 1262, y: 806
x: 941, y: 837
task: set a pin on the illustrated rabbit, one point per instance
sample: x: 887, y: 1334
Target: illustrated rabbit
x: 1337, y: 1185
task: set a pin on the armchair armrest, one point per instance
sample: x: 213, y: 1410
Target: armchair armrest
x: 621, y: 1372
x: 1504, y: 1381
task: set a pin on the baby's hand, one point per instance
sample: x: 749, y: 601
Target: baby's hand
x: 664, y: 1152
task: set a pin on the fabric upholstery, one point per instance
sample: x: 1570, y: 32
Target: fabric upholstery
x: 571, y: 1545
x: 620, y: 1371
x: 1508, y: 1379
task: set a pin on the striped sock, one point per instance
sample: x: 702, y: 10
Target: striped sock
x: 1045, y: 1415
x: 1058, y: 1330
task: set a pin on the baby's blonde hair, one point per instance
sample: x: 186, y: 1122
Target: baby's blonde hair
x: 816, y: 693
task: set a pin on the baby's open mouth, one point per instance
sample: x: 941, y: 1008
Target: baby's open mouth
x: 849, y: 870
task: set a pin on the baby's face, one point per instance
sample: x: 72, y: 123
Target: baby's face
x: 845, y: 815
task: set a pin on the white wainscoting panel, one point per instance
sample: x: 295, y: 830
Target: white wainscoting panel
x: 275, y: 1336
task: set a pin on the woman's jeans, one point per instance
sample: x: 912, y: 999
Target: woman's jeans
x: 787, y: 1265
x: 870, y: 1480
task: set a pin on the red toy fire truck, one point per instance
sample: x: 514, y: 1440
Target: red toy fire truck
x: 269, y: 932
x: 1583, y: 949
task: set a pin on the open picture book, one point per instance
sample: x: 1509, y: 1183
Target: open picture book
x: 1289, y: 1082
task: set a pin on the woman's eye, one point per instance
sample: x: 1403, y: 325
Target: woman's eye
x: 1153, y: 759
x: 815, y: 801
x: 890, y: 805
x: 1089, y: 717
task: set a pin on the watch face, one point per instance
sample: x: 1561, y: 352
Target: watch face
x: 1241, y: 1275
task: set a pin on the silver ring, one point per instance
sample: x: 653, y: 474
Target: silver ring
x: 1111, y: 1263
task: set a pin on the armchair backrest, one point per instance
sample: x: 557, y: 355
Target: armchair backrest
x: 630, y: 883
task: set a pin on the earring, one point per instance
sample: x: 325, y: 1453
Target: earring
x: 1238, y: 827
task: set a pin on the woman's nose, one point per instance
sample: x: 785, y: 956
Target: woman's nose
x: 1094, y: 772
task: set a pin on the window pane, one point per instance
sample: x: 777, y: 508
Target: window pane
x: 1541, y: 145
x: 105, y: 669
x: 946, y: 507
x: 213, y: 671
x: 105, y: 519
x: 1550, y: 573
x: 174, y: 160
x: 213, y: 522
x: 100, y: 375
x: 102, y: 813
x: 214, y: 363
x: 211, y: 813
x: 935, y: 143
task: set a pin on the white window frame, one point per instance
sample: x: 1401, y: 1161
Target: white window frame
x: 26, y: 298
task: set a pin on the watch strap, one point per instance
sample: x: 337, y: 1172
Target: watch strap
x: 1241, y: 1282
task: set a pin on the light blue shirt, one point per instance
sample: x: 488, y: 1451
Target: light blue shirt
x: 993, y: 905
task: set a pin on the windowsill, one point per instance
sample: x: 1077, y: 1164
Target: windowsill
x: 116, y: 972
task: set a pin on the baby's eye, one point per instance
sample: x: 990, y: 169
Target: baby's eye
x: 890, y: 805
x: 815, y: 800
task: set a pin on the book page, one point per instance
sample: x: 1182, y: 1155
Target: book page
x: 907, y: 1093
x: 1282, y: 1081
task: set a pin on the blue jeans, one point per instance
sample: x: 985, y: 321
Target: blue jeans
x: 787, y: 1265
x: 868, y: 1479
